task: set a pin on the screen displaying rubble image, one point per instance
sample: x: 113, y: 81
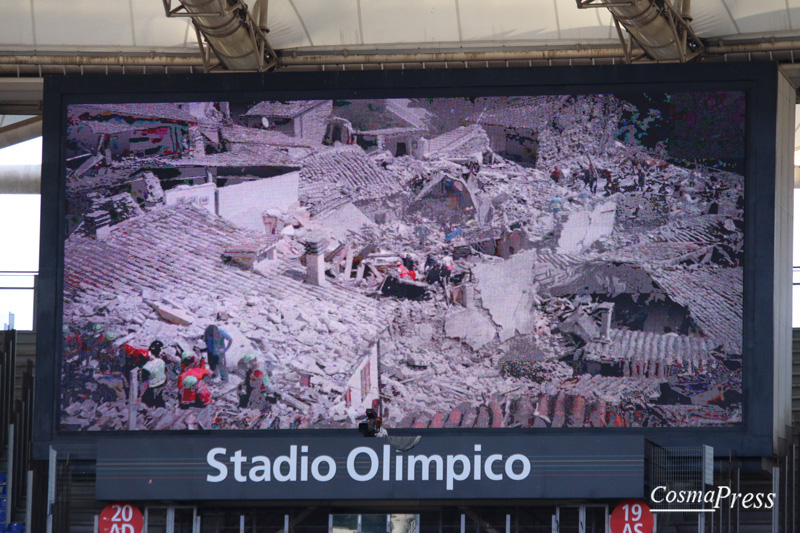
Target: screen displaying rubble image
x: 495, y: 262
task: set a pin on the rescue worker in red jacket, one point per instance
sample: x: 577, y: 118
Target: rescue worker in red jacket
x: 191, y: 360
x: 192, y: 391
x: 245, y: 365
x: 134, y: 358
x: 253, y: 393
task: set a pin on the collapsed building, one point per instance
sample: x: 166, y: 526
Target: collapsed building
x: 301, y: 120
x: 392, y: 125
x: 172, y: 259
x: 317, y: 235
x: 112, y: 131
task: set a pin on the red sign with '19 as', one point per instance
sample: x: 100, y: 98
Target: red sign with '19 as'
x: 121, y: 517
x: 631, y: 516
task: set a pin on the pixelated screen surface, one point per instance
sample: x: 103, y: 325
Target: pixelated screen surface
x: 489, y: 262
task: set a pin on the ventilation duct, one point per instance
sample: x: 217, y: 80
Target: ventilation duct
x: 657, y: 27
x: 227, y: 28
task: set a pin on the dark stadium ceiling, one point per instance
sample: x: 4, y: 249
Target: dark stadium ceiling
x: 39, y: 37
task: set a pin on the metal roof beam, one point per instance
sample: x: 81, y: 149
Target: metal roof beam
x: 656, y: 26
x: 21, y: 96
x: 229, y: 31
x: 22, y: 131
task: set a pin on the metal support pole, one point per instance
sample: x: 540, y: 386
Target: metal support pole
x: 10, y: 475
x: 732, y: 487
x: 133, y: 398
x: 29, y: 501
x: 701, y: 517
x: 776, y: 488
x: 51, y: 488
x: 241, y: 523
x: 786, y: 494
x: 508, y: 523
x: 721, y: 515
x: 712, y: 522
x: 96, y: 524
x: 738, y: 490
x: 463, y: 523
x: 170, y: 519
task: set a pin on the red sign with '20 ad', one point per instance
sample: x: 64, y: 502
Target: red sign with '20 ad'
x: 121, y: 517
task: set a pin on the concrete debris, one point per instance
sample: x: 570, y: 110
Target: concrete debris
x: 581, y: 325
x: 487, y: 262
x: 470, y: 326
x: 506, y: 291
x: 584, y: 228
x: 172, y: 315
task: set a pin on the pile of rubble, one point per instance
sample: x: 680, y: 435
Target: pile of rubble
x: 524, y: 267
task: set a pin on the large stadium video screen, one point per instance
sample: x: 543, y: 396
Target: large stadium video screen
x: 549, y: 261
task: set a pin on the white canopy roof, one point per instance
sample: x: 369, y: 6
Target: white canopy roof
x: 122, y: 27
x: 127, y: 25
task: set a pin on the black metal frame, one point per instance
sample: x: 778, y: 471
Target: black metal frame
x: 19, y: 412
x: 7, y: 368
x: 23, y: 437
x: 759, y: 81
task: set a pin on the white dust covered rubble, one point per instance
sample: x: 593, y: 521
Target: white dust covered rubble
x: 422, y: 256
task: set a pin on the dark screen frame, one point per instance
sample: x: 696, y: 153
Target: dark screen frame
x: 759, y: 81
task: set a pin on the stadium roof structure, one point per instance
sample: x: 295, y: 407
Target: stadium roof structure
x: 127, y: 37
x: 307, y: 34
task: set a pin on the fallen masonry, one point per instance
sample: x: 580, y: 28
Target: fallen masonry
x: 387, y: 257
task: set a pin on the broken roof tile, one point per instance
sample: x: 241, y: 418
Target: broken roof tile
x: 282, y: 109
x: 713, y: 296
x: 653, y: 348
x: 261, y: 156
x: 177, y: 251
x: 461, y: 142
x: 245, y: 135
x: 342, y: 174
